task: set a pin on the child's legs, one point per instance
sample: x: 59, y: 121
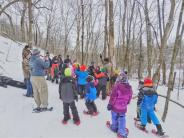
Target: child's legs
x: 66, y: 110
x: 114, y: 118
x: 94, y: 106
x: 153, y: 117
x: 143, y: 117
x: 82, y: 88
x: 122, y: 124
x: 98, y: 90
x: 138, y: 111
x: 29, y: 87
x: 74, y: 110
x: 103, y: 92
x: 89, y: 106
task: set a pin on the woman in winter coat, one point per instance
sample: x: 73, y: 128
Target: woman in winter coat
x: 120, y: 97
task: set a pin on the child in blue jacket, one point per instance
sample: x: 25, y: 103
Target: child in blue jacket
x: 147, y: 106
x: 91, y: 96
x: 82, y: 75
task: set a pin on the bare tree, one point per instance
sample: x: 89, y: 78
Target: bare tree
x: 178, y: 40
x: 167, y: 31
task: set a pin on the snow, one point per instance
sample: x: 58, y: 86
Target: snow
x: 18, y: 121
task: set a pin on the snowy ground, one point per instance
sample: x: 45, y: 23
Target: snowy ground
x: 18, y: 121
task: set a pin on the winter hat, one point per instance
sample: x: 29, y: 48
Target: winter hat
x: 68, y: 72
x: 36, y: 52
x: 103, y: 70
x: 148, y: 82
x: 122, y: 77
x: 82, y: 67
x: 90, y: 78
x: 117, y: 71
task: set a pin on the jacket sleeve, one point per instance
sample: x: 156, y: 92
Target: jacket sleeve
x: 77, y: 72
x: 140, y: 97
x: 60, y: 85
x: 113, y: 96
x: 44, y: 64
x: 100, y: 75
x: 74, y: 88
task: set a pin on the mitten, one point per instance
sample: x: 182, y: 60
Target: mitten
x: 109, y: 107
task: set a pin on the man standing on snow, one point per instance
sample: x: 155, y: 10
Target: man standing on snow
x: 40, y: 88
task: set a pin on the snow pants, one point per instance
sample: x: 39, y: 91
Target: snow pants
x: 73, y: 109
x: 91, y: 106
x: 103, y: 89
x: 148, y: 113
x: 40, y: 91
x: 81, y: 90
x: 118, y: 123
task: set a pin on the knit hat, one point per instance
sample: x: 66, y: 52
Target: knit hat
x: 36, y: 52
x: 82, y: 67
x: 122, y: 77
x: 68, y: 72
x: 103, y: 69
x: 148, y: 82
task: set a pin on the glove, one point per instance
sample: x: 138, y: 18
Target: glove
x: 76, y: 98
x: 109, y: 107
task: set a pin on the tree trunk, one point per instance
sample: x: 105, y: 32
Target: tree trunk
x: 149, y: 38
x: 141, y: 58
x: 123, y: 34
x: 106, y: 31
x: 22, y: 21
x: 82, y: 35
x: 173, y: 60
x: 164, y: 73
x: 111, y: 32
x: 164, y: 40
x: 30, y: 14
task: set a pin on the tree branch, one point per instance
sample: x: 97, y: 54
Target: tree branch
x: 8, y: 5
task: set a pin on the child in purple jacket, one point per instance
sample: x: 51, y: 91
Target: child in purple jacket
x: 120, y: 97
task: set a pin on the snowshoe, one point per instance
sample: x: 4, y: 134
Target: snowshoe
x: 108, y: 124
x: 89, y: 113
x: 46, y: 109
x: 136, y: 119
x: 159, y: 134
x: 141, y: 127
x: 37, y: 110
x: 119, y: 136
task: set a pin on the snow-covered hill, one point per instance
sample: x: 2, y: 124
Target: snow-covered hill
x: 18, y: 121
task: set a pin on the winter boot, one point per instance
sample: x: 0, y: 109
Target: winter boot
x: 142, y: 127
x: 57, y: 81
x: 159, y: 130
x: 119, y: 136
x: 76, y: 121
x: 65, y: 119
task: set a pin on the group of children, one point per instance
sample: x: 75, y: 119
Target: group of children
x: 88, y: 82
x: 76, y: 80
